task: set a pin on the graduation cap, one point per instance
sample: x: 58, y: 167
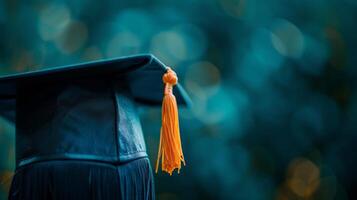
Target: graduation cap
x: 88, y: 111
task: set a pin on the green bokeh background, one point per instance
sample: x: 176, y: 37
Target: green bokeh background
x: 273, y: 85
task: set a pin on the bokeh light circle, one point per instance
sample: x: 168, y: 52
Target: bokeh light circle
x: 287, y: 39
x: 53, y: 20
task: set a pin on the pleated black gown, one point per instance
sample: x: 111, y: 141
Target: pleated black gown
x: 73, y: 180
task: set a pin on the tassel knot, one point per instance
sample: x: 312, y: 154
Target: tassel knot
x: 170, y: 151
x: 170, y: 77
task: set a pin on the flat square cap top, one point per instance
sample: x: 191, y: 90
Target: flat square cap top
x: 143, y: 75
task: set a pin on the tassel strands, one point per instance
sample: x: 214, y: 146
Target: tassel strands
x: 170, y: 150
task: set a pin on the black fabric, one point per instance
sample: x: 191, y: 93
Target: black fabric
x: 144, y: 71
x: 69, y: 119
x: 75, y: 180
x: 131, y: 140
x: 87, y: 119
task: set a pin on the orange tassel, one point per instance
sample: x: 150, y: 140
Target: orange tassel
x: 170, y: 151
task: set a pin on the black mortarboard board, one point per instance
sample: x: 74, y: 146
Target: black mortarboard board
x: 144, y: 73
x: 68, y: 113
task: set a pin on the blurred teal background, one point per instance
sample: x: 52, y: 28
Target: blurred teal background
x: 273, y: 85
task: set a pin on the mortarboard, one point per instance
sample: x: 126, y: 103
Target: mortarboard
x: 87, y: 111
